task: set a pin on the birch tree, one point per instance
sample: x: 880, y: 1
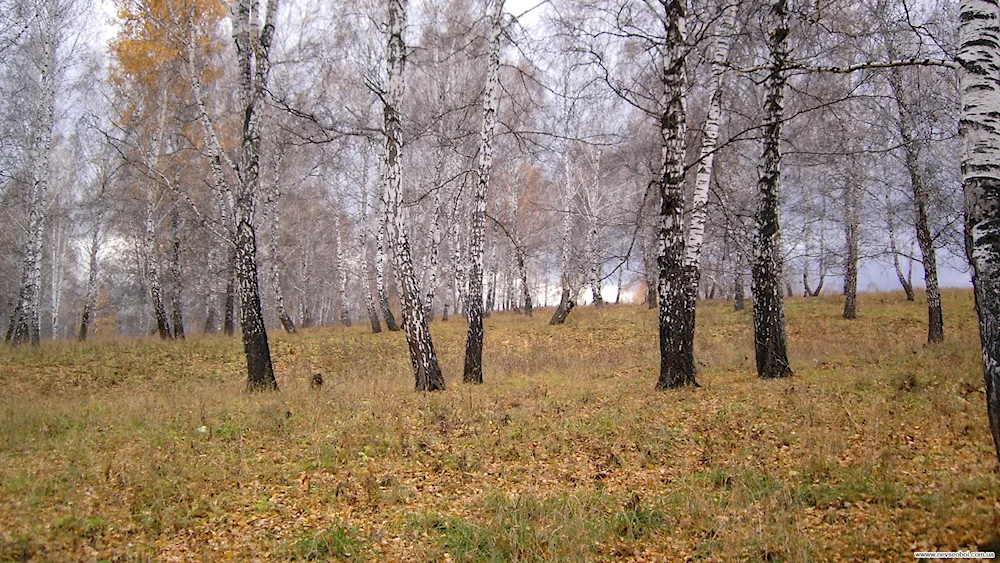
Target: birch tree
x: 911, y: 147
x: 703, y: 177
x: 381, y: 285
x: 426, y: 369
x: 44, y: 35
x: 362, y: 242
x: 253, y: 33
x: 94, y: 207
x: 491, y: 100
x: 770, y: 341
x: 979, y: 83
x: 676, y: 339
x: 273, y: 209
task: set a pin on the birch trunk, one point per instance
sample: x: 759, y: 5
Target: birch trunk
x: 738, y: 296
x: 458, y: 270
x: 225, y: 194
x: 58, y: 246
x: 525, y: 290
x: 153, y: 273
x: 618, y: 285
x: 921, y: 199
x: 703, y: 177
x: 770, y: 341
x: 433, y: 253
x: 427, y: 372
x: 27, y: 322
x: 979, y: 84
x: 904, y: 280
x: 276, y: 263
x: 822, y: 253
x: 491, y: 100
x: 252, y: 35
x: 651, y: 288
x: 229, y: 305
x: 363, y: 251
x: 520, y: 255
x: 175, y: 270
x: 566, y: 301
x: 345, y: 314
x: 383, y: 296
x: 92, y: 278
x: 852, y: 233
x: 676, y: 339
x: 595, y: 268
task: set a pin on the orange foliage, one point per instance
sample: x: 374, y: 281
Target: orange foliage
x: 150, y: 52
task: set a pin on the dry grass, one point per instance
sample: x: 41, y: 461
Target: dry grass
x: 139, y: 450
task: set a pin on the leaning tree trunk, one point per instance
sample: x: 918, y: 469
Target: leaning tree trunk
x: 383, y: 295
x: 852, y: 215
x: 921, y: 199
x: 770, y: 341
x: 226, y: 203
x: 491, y: 100
x: 618, y: 284
x: 175, y: 270
x: 427, y: 371
x: 904, y: 280
x: 252, y: 35
x: 935, y: 319
x: 979, y: 81
x: 822, y: 244
x: 676, y: 335
x: 92, y: 277
x: 703, y: 178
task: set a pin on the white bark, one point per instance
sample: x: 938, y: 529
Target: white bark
x: 770, y: 340
x: 252, y: 35
x: 427, y: 372
x: 342, y: 267
x: 676, y: 336
x: 277, y: 264
x: 58, y: 251
x: 27, y: 325
x: 432, y: 257
x: 979, y: 83
x: 92, y: 279
x: 362, y: 242
x: 703, y: 178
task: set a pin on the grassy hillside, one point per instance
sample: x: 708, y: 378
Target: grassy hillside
x: 135, y: 450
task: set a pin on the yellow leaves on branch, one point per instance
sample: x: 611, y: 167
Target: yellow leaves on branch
x: 150, y: 52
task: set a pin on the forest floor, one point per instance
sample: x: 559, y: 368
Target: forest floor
x: 134, y: 450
